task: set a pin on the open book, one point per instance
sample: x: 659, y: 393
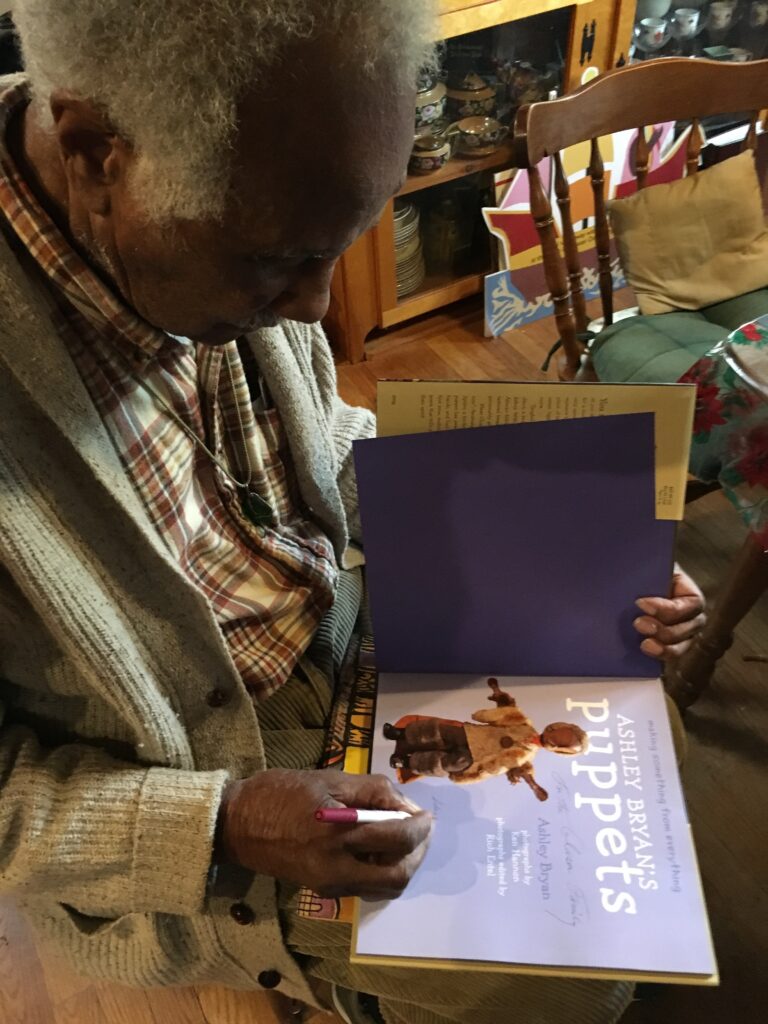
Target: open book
x: 503, y: 564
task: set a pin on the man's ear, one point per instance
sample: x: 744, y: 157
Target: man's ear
x: 95, y: 158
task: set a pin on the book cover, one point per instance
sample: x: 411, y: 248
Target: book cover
x: 576, y: 859
x: 517, y: 549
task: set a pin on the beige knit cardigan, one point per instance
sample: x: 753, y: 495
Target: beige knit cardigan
x: 113, y: 753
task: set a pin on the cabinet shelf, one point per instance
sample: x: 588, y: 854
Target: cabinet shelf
x: 436, y: 291
x: 460, y: 16
x: 460, y: 167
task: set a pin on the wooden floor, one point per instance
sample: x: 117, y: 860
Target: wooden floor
x: 726, y: 777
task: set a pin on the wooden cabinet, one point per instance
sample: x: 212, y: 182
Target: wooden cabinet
x: 364, y: 290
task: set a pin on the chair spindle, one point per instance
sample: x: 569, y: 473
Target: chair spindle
x: 750, y: 142
x: 602, y: 233
x: 554, y: 271
x: 642, y: 157
x: 693, y: 151
x: 570, y: 248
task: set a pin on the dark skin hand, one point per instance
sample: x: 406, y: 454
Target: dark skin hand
x: 267, y: 824
x: 669, y: 624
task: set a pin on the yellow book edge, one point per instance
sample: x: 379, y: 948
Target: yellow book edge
x: 533, y: 970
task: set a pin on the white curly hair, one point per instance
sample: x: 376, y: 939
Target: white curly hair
x: 169, y: 73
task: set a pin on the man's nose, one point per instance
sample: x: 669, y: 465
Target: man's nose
x: 307, y: 297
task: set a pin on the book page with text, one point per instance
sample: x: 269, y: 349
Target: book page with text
x: 414, y: 407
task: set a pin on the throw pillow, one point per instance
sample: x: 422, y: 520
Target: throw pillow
x: 694, y: 242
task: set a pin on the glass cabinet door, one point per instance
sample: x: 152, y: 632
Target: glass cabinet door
x: 727, y: 30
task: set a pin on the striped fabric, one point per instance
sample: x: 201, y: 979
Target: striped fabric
x: 269, y: 588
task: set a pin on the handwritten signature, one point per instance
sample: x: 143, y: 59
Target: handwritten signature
x: 577, y: 912
x: 571, y: 846
x: 562, y: 793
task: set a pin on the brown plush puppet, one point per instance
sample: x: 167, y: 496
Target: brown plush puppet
x: 500, y: 740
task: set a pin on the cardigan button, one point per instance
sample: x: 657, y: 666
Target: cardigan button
x: 242, y: 913
x: 269, y: 979
x: 217, y: 698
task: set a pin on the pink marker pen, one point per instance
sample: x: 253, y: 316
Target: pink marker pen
x: 356, y: 816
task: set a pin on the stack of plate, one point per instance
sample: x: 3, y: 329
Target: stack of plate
x: 409, y: 257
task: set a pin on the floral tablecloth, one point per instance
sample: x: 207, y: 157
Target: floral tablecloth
x: 730, y: 431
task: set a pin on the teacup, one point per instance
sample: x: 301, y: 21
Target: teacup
x: 720, y: 16
x: 430, y: 153
x: 758, y: 14
x: 652, y: 33
x: 478, y: 135
x: 685, y: 22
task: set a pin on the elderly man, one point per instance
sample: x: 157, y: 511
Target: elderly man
x: 178, y: 530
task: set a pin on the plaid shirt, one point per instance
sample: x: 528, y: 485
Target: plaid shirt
x: 268, y: 587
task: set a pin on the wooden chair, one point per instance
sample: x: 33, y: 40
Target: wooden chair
x: 635, y: 97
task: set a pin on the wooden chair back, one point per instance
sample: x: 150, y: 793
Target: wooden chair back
x: 633, y: 97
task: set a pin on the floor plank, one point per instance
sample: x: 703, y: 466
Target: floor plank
x: 85, y: 1008
x: 176, y: 1006
x: 24, y: 996
x: 121, y: 1005
x: 226, y: 1006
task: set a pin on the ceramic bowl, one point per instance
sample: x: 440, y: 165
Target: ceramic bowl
x: 653, y: 8
x: 478, y: 136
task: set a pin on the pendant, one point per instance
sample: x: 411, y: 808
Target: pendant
x: 255, y: 508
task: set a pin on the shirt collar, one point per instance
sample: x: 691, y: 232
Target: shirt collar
x: 70, y: 275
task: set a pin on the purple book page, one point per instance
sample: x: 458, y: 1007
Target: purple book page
x: 516, y: 549
x: 601, y: 875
